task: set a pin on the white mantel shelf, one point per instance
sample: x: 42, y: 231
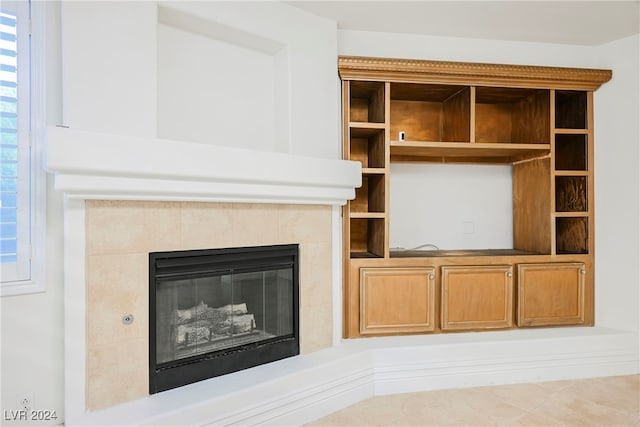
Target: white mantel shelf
x: 92, y: 165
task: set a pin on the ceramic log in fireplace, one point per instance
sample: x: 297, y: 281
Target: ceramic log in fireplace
x: 217, y: 311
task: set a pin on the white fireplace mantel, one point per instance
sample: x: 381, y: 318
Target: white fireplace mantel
x: 92, y: 165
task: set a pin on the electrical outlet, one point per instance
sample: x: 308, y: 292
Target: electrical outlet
x: 25, y: 401
x: 468, y: 227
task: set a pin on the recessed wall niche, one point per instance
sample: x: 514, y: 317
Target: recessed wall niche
x: 220, y: 85
x: 432, y: 203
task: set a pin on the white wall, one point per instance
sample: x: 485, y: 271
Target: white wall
x: 365, y: 43
x: 309, y: 100
x: 452, y: 207
x: 617, y: 176
x: 109, y: 67
x: 32, y: 340
x: 215, y: 92
x: 111, y: 79
x: 617, y: 139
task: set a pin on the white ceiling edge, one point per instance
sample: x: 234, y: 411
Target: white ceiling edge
x: 587, y: 23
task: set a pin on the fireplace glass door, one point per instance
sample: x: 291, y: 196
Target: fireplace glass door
x: 217, y: 311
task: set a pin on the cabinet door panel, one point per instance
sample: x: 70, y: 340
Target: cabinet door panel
x: 394, y: 300
x: 551, y: 294
x: 477, y: 297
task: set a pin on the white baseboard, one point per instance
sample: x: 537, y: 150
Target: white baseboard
x: 304, y: 388
x: 503, y: 363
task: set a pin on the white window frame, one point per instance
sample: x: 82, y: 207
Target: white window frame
x: 28, y: 274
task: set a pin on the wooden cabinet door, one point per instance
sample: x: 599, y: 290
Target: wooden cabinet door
x: 477, y: 297
x: 551, y: 294
x: 395, y: 300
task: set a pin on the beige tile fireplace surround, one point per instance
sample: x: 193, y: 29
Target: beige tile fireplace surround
x: 119, y: 236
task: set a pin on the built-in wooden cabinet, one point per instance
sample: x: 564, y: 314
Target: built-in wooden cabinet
x: 551, y: 294
x: 477, y: 297
x: 394, y: 300
x: 539, y: 120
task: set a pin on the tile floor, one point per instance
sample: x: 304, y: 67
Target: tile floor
x: 611, y: 401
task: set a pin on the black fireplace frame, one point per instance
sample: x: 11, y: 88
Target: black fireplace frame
x: 173, y: 374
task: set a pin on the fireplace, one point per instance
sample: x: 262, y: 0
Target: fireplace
x: 217, y: 311
x: 116, y: 213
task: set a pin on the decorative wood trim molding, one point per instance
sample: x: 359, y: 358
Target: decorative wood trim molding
x: 469, y: 73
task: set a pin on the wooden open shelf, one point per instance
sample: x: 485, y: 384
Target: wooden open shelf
x: 365, y: 129
x: 571, y: 109
x: 512, y: 115
x: 571, y: 152
x: 573, y: 176
x: 430, y: 112
x: 370, y: 215
x: 409, y: 253
x: 370, y: 196
x: 366, y: 219
x: 464, y: 152
x: 367, y: 237
x: 571, y: 194
x: 572, y: 235
x: 367, y: 102
x: 368, y: 146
